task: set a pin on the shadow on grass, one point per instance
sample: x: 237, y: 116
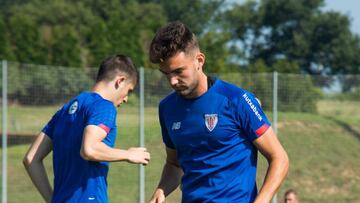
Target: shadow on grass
x: 18, y: 139
x: 345, y: 126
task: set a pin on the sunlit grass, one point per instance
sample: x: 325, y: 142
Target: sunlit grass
x: 325, y: 163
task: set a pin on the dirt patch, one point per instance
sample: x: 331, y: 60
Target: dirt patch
x: 299, y: 124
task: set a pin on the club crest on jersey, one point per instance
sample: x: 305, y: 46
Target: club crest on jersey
x: 210, y: 121
x: 73, y: 107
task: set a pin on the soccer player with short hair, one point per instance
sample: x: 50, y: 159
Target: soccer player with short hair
x: 82, y: 136
x: 291, y: 196
x: 212, y: 129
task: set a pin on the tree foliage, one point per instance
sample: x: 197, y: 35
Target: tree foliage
x: 299, y: 31
x: 79, y: 33
x: 197, y: 14
x: 5, y: 51
x: 287, y: 36
x: 233, y: 36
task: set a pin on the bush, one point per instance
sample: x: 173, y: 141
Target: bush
x: 296, y: 93
x: 347, y: 96
x: 40, y: 85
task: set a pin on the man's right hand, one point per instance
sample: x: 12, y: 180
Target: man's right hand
x: 170, y: 177
x: 158, y: 197
x: 138, y: 155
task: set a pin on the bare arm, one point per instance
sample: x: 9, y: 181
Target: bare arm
x: 269, y: 145
x: 170, y: 178
x: 94, y: 149
x: 33, y: 162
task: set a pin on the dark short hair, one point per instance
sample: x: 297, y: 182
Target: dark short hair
x: 291, y: 191
x: 115, y: 65
x: 171, y: 39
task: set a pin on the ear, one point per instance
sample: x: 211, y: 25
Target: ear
x: 118, y: 80
x: 200, y: 57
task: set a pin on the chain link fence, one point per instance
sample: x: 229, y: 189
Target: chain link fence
x: 318, y: 124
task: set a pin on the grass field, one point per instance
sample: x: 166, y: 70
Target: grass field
x: 323, y: 150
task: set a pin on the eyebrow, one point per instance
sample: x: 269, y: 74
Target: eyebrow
x: 166, y: 73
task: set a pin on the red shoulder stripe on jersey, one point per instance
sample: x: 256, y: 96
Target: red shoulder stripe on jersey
x: 104, y: 127
x: 262, y: 129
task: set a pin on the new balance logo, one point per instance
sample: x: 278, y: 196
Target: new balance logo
x: 176, y: 126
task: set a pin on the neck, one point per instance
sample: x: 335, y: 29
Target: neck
x: 102, y: 89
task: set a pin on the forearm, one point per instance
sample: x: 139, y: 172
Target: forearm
x: 38, y: 175
x: 170, y: 178
x: 275, y: 175
x: 101, y: 152
x: 94, y: 149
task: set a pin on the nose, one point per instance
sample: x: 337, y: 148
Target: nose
x: 173, y: 80
x: 125, y: 99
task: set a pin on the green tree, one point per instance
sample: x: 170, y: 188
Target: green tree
x: 51, y: 35
x: 98, y: 42
x: 122, y: 27
x: 197, y: 14
x: 131, y: 28
x: 213, y: 44
x: 285, y: 66
x: 68, y: 53
x: 258, y: 66
x: 5, y: 51
x: 295, y: 30
x: 25, y: 37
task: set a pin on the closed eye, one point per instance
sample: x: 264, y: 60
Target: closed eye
x: 177, y: 71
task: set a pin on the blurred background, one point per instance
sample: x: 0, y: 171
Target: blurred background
x: 300, y: 57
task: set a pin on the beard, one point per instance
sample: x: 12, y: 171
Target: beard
x: 188, y: 91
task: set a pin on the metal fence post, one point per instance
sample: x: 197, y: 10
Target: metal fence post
x: 141, y: 138
x: 4, y: 131
x: 275, y: 101
x: 275, y: 112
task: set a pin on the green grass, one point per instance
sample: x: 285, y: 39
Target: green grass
x: 323, y: 150
x: 28, y: 120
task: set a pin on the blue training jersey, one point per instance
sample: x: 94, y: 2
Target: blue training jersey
x: 76, y: 179
x: 213, y: 136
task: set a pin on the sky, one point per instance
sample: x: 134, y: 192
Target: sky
x: 348, y: 7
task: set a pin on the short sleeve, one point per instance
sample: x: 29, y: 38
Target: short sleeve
x: 165, y: 135
x: 49, y: 127
x: 103, y: 115
x: 251, y: 117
